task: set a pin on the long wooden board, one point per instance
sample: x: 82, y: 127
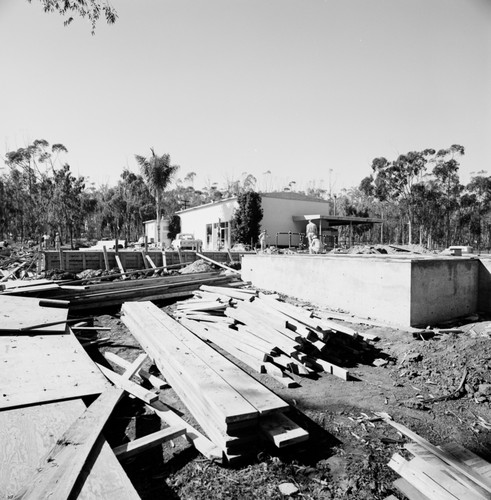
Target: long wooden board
x: 259, y: 396
x: 225, y: 401
x: 60, y: 469
x: 27, y: 434
x: 40, y: 368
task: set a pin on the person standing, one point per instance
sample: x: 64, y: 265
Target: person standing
x: 57, y: 241
x: 262, y: 239
x: 311, y: 232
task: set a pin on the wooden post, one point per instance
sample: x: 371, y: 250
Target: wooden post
x: 120, y: 266
x: 150, y: 261
x: 180, y: 255
x: 106, y: 258
x: 62, y: 264
x: 145, y: 263
x: 116, y: 245
x: 146, y: 244
x: 164, y: 260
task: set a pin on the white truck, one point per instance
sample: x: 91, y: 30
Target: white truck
x: 186, y: 241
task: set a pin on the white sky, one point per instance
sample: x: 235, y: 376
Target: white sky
x: 307, y: 89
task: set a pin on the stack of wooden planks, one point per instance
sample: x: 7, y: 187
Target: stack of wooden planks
x: 268, y: 335
x: 88, y: 296
x: 229, y: 405
x: 450, y: 471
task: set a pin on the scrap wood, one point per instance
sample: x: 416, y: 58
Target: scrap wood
x: 130, y: 387
x: 155, y: 381
x: 428, y: 457
x: 198, y: 440
x: 58, y: 472
x: 13, y: 271
x: 96, y: 342
x: 147, y: 442
x: 483, y: 482
x: 435, y: 483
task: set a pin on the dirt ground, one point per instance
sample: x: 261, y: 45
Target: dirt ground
x: 439, y: 387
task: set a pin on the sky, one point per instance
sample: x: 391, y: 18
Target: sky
x: 308, y: 90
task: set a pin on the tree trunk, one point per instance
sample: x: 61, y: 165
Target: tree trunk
x: 157, y: 203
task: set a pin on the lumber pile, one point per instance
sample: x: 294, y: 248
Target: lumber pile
x: 82, y: 296
x: 268, y: 335
x: 229, y: 405
x: 442, y: 472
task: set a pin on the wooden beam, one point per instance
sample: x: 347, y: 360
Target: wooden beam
x: 120, y: 266
x: 145, y: 262
x: 133, y: 367
x: 57, y: 473
x: 130, y: 387
x: 151, y: 262
x: 201, y: 256
x: 147, y: 442
x: 155, y: 381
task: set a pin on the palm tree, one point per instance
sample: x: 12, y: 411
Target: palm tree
x: 157, y: 172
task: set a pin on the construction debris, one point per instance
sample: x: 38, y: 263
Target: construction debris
x: 449, y: 471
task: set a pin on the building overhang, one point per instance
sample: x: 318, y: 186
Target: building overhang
x: 337, y: 220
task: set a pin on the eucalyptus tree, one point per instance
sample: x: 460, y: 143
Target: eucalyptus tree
x: 89, y: 9
x: 446, y: 174
x: 157, y: 172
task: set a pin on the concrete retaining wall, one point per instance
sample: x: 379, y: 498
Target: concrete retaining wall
x: 397, y: 290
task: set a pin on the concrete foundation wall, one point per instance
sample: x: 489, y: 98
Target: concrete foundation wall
x: 375, y: 288
x: 442, y: 289
x: 484, y: 296
x: 398, y: 290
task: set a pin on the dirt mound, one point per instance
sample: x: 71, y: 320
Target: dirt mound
x: 449, y: 366
x: 198, y: 266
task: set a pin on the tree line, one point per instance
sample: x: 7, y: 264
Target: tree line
x: 418, y: 195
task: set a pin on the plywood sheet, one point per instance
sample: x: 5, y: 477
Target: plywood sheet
x: 40, y: 368
x: 27, y: 434
x: 20, y: 312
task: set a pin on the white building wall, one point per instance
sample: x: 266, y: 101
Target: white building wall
x: 195, y: 220
x: 277, y: 217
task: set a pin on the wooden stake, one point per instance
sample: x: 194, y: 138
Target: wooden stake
x: 120, y: 266
x: 106, y: 258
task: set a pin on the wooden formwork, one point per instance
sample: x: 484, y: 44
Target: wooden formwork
x: 75, y: 261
